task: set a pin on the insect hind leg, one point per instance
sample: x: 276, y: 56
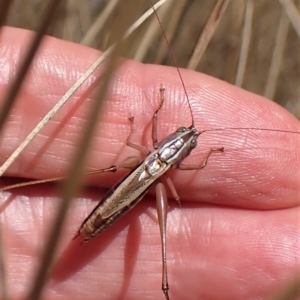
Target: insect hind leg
x: 162, y: 208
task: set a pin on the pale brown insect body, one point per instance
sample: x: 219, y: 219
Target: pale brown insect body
x: 131, y: 189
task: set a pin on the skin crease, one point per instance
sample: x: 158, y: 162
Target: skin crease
x: 237, y: 233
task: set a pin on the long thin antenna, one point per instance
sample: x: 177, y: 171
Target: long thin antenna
x: 250, y: 128
x: 185, y: 90
x: 174, y: 59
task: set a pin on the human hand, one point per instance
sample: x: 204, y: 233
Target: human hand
x: 237, y: 233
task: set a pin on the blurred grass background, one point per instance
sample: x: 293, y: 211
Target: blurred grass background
x: 251, y: 43
x: 272, y: 62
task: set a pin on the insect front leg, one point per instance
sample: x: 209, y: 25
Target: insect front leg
x: 143, y: 149
x: 204, y: 162
x: 154, y: 118
x: 132, y: 161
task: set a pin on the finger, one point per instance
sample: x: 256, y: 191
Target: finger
x: 257, y: 170
x: 211, y: 251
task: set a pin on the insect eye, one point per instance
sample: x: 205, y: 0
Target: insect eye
x: 193, y: 144
x: 182, y: 129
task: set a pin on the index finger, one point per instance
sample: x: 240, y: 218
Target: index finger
x: 258, y: 169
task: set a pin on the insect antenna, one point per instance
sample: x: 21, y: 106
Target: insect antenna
x: 174, y: 60
x: 185, y: 90
x: 250, y: 128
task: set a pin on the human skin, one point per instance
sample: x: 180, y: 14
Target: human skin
x: 237, y: 233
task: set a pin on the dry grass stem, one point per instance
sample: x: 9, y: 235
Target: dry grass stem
x: 277, y: 56
x: 152, y: 31
x: 46, y: 19
x: 170, y: 29
x: 75, y: 175
x: 71, y: 91
x: 236, y: 16
x: 4, y: 9
x: 293, y: 14
x: 95, y: 29
x: 3, y: 271
x: 207, y: 33
x: 245, y: 44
